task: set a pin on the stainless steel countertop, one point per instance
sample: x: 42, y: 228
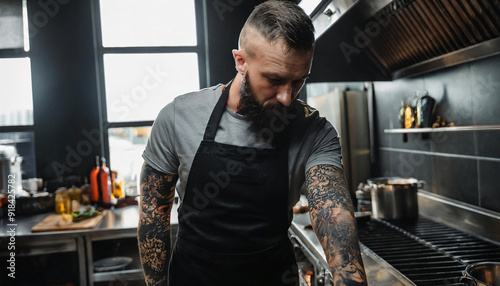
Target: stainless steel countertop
x: 379, y: 272
x: 115, y: 220
x: 124, y: 221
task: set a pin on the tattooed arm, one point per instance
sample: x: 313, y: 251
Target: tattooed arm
x: 153, y: 233
x: 332, y: 217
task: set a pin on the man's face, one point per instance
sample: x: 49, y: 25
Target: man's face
x: 272, y: 80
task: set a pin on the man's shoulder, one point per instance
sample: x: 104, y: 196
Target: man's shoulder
x: 190, y: 104
x: 308, y: 120
x: 305, y: 112
x: 198, y: 98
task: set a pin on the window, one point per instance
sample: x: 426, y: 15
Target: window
x: 139, y: 85
x: 148, y: 23
x: 309, y: 5
x: 16, y: 96
x: 16, y: 106
x: 149, y: 52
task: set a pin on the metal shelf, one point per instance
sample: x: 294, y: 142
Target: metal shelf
x: 444, y: 129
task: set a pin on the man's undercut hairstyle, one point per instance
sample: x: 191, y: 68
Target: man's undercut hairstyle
x: 276, y: 20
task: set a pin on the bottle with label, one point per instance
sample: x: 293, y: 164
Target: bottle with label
x: 117, y: 186
x: 105, y: 183
x: 94, y: 186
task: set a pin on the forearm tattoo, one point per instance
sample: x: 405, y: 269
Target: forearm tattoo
x: 332, y: 217
x: 153, y: 233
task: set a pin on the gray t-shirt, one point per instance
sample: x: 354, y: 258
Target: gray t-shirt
x: 179, y: 128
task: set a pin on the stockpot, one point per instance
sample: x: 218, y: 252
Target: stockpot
x: 482, y: 274
x: 394, y: 198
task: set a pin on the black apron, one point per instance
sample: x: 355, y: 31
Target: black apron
x: 234, y: 217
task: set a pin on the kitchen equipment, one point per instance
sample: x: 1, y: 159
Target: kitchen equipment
x: 10, y: 170
x: 406, y: 118
x: 364, y: 200
x: 112, y: 263
x: 381, y: 40
x: 426, y: 252
x: 32, y: 184
x: 347, y: 110
x: 482, y: 274
x: 425, y: 109
x: 394, y: 198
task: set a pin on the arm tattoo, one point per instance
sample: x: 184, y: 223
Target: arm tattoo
x: 332, y: 217
x: 153, y: 233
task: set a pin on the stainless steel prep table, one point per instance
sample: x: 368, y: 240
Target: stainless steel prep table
x: 28, y: 243
x: 122, y: 223
x: 116, y: 224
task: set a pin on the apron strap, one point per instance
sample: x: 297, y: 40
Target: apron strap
x: 215, y: 117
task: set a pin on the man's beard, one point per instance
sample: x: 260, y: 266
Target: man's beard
x: 260, y: 116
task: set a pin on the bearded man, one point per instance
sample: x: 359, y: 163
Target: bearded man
x: 240, y: 155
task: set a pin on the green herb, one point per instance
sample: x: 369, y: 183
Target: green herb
x: 77, y: 216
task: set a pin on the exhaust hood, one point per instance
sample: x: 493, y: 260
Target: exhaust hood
x: 382, y: 40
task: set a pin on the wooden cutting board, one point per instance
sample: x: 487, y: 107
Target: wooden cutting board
x: 54, y: 222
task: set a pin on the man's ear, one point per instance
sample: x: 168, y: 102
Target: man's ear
x: 240, y: 61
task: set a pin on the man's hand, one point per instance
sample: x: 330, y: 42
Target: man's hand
x: 332, y: 217
x: 153, y: 233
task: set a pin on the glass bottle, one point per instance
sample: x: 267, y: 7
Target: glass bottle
x: 94, y: 185
x: 62, y: 202
x: 106, y: 184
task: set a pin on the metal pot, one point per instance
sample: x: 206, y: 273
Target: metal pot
x: 10, y: 170
x: 482, y: 274
x: 394, y: 198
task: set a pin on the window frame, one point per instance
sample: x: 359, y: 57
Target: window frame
x: 200, y: 49
x: 14, y: 53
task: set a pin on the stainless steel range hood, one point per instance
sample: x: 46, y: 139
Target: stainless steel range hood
x: 380, y: 40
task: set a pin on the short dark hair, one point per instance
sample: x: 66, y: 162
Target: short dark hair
x: 283, y: 20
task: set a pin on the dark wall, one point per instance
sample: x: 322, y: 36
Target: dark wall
x: 225, y: 18
x: 463, y: 166
x: 64, y: 87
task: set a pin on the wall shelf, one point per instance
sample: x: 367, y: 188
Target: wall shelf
x: 474, y: 128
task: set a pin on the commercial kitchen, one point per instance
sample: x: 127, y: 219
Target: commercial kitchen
x: 411, y: 86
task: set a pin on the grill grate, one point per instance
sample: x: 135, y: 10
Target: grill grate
x: 426, y: 252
